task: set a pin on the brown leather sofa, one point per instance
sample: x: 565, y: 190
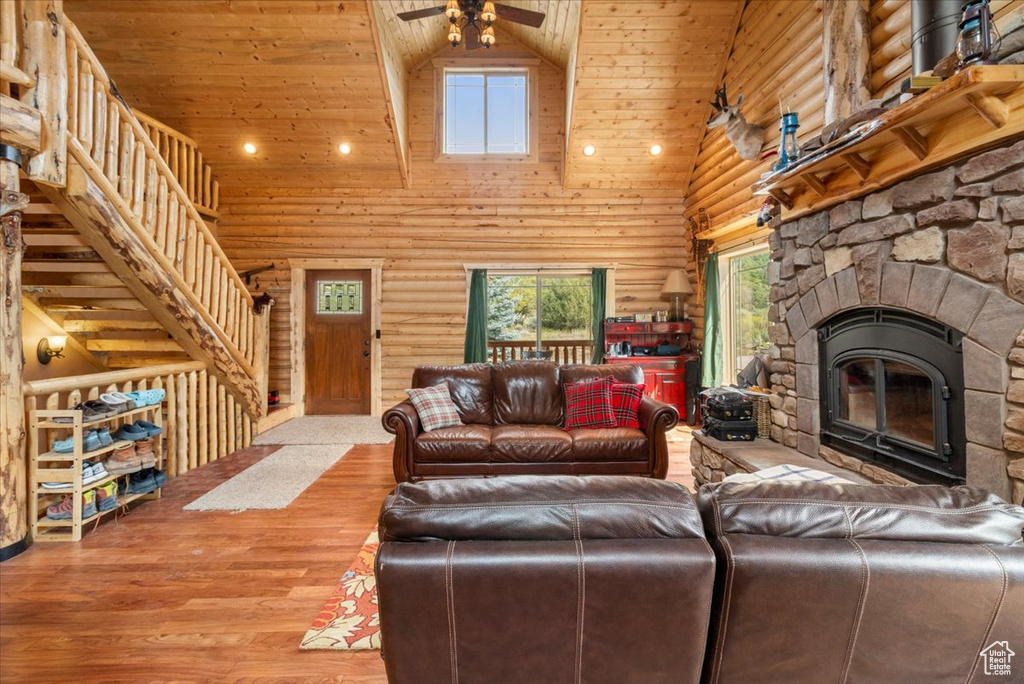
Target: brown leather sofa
x: 537, y: 580
x: 512, y: 413
x: 862, y: 583
x: 605, y: 580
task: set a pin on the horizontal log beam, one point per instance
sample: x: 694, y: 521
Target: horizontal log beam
x: 21, y: 126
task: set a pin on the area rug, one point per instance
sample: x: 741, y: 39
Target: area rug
x: 349, y: 621
x: 327, y: 430
x: 274, y: 482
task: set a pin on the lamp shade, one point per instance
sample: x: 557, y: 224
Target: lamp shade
x: 677, y: 282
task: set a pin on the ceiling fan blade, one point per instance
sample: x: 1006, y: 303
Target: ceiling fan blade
x: 421, y: 14
x: 519, y: 16
x: 471, y: 37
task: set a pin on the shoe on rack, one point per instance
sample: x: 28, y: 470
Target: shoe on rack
x: 64, y: 510
x: 106, y: 496
x: 124, y: 460
x: 144, y: 449
x: 142, y: 482
x: 92, y: 472
x: 149, y: 397
x: 118, y: 404
x: 90, y: 442
x: 104, y: 434
x: 131, y: 433
x: 151, y: 429
x: 160, y: 477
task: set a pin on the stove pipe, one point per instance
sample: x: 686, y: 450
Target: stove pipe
x: 933, y: 31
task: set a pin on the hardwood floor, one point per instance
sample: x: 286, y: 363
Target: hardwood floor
x: 168, y: 595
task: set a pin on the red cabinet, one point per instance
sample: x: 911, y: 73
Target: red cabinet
x: 672, y: 379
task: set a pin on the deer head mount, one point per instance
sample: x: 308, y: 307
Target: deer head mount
x: 746, y: 138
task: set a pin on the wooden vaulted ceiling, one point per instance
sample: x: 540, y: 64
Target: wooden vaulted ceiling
x: 298, y: 77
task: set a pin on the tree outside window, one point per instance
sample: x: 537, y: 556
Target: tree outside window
x: 541, y: 309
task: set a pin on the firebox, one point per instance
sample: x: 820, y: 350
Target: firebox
x: 892, y: 393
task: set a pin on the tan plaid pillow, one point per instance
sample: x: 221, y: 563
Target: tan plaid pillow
x: 435, y: 407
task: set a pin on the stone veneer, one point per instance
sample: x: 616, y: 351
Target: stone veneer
x: 948, y: 245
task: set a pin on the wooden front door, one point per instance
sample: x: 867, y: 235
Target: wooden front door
x: 338, y: 342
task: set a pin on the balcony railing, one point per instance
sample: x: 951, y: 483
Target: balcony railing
x: 562, y: 351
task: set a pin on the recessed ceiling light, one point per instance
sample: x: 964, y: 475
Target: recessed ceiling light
x: 655, y: 149
x: 589, y: 150
x: 250, y: 148
x: 345, y: 148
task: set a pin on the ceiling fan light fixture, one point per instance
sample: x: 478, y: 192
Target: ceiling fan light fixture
x: 488, y: 14
x: 487, y: 36
x: 454, y: 34
x: 589, y: 150
x: 453, y: 11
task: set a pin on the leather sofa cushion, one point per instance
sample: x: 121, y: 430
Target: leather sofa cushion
x: 609, y: 444
x: 457, y: 444
x: 539, y: 508
x: 622, y: 372
x: 527, y: 393
x: 931, y: 513
x: 530, y: 444
x: 470, y: 386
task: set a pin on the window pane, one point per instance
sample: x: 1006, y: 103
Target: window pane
x: 511, y: 315
x: 749, y: 277
x: 506, y: 114
x: 565, y: 308
x: 908, y: 403
x: 857, y: 392
x: 464, y: 113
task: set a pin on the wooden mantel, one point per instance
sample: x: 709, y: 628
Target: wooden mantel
x: 978, y: 108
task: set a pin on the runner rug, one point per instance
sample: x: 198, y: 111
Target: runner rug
x: 349, y: 620
x: 273, y: 482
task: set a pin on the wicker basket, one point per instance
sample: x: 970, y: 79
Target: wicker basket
x: 762, y: 414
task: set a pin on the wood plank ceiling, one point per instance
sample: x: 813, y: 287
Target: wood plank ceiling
x: 643, y: 74
x: 299, y: 77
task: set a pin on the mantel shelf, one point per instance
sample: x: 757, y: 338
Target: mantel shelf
x: 978, y: 108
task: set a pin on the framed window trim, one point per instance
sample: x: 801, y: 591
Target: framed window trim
x: 530, y: 66
x: 726, y: 305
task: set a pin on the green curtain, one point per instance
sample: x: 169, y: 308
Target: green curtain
x: 712, y: 361
x: 476, y: 318
x: 598, y: 289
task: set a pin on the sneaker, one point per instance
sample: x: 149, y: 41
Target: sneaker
x: 131, y: 432
x: 144, y: 449
x: 93, y: 472
x: 91, y: 410
x: 124, y: 460
x: 160, y: 477
x: 151, y: 429
x: 106, y: 496
x: 90, y: 442
x: 142, y: 482
x: 65, y: 509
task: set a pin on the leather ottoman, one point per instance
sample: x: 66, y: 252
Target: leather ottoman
x: 537, y: 579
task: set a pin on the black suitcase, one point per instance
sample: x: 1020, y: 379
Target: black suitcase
x: 730, y: 430
x: 731, y: 406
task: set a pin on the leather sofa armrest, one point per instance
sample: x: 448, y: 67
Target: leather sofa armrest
x: 402, y: 421
x: 656, y: 419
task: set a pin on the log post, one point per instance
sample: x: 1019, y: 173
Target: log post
x: 846, y: 51
x: 43, y: 58
x: 13, y: 499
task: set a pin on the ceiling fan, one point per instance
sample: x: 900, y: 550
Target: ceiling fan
x: 474, y: 19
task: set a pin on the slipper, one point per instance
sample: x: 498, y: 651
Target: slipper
x: 89, y: 414
x: 119, y: 405
x: 151, y: 429
x: 149, y: 397
x: 131, y: 433
x: 126, y: 399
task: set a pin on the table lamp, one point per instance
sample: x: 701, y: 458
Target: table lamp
x: 677, y: 285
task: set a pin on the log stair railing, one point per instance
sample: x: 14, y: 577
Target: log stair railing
x: 116, y: 187
x: 183, y: 158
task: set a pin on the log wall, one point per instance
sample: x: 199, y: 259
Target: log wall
x: 891, y: 35
x: 453, y: 214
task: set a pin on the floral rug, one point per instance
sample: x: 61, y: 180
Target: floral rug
x: 349, y: 620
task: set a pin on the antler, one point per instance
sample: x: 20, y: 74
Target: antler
x: 721, y: 99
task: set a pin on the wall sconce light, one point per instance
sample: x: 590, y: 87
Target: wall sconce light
x: 49, y: 347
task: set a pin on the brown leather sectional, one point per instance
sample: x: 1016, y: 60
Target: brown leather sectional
x: 513, y: 414
x: 608, y: 580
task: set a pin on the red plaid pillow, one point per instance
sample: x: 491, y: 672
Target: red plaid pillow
x: 589, y: 405
x: 626, y: 398
x: 435, y: 407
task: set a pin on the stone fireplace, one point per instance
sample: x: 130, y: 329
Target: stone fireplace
x: 897, y: 321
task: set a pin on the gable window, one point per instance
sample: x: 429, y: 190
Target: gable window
x: 744, y: 306
x: 486, y: 111
x: 534, y: 315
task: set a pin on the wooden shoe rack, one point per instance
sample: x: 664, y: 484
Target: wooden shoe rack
x: 50, y: 466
